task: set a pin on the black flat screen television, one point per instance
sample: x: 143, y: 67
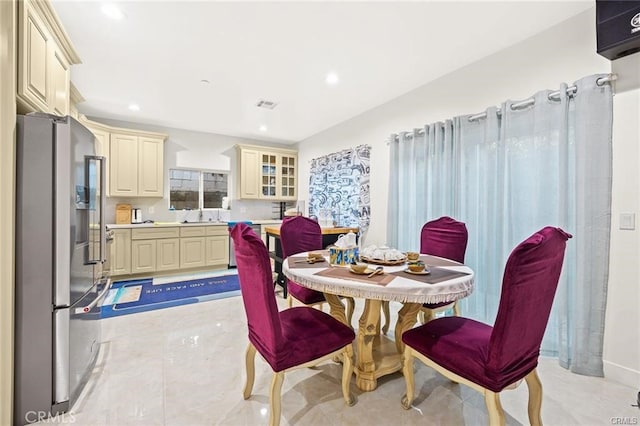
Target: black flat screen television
x: 618, y: 28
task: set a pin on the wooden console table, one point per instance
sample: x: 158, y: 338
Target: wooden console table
x: 329, y: 236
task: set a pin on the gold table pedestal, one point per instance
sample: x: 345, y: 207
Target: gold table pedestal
x: 376, y: 354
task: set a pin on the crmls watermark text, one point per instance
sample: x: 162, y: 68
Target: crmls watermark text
x: 624, y: 420
x: 46, y: 417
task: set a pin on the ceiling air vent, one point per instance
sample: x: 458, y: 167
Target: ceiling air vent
x: 266, y: 104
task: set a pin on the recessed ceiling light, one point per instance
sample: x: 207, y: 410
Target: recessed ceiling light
x: 204, y: 81
x: 263, y: 128
x: 332, y: 78
x: 134, y: 107
x: 112, y: 11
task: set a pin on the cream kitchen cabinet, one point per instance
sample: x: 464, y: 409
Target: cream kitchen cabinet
x: 267, y: 173
x: 154, y: 249
x: 192, y: 247
x: 45, y: 56
x: 120, y: 253
x: 136, y: 165
x: 143, y: 256
x: 249, y: 173
x: 102, y: 134
x: 135, y: 159
x: 168, y: 254
x: 216, y: 245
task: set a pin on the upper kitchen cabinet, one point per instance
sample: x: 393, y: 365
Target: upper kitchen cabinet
x: 137, y: 164
x: 100, y: 131
x: 267, y: 173
x: 45, y: 56
x: 75, y: 98
x: 135, y: 159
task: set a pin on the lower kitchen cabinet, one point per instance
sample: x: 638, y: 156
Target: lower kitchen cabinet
x: 192, y: 246
x: 168, y: 254
x: 155, y: 255
x: 154, y: 249
x: 146, y: 250
x: 143, y: 259
x: 192, y: 252
x: 217, y: 245
x: 120, y: 255
x: 216, y: 250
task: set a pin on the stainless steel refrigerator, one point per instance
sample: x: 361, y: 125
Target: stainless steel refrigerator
x: 60, y: 250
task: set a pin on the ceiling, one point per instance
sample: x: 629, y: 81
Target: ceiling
x: 159, y: 53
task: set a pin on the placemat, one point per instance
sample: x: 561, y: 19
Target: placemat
x: 346, y: 274
x: 300, y: 262
x: 437, y: 275
x: 437, y: 261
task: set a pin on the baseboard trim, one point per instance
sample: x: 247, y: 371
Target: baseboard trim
x: 621, y: 374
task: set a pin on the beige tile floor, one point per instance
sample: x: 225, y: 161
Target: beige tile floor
x: 184, y: 366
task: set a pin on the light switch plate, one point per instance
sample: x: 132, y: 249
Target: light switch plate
x: 628, y: 221
x: 151, y: 210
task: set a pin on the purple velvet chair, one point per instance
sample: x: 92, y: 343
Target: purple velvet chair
x: 490, y: 359
x: 299, y: 234
x: 294, y: 338
x: 444, y: 237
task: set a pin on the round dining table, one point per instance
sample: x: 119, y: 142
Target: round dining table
x: 376, y: 354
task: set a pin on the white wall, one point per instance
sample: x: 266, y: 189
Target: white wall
x: 189, y: 149
x: 622, y: 323
x: 564, y: 53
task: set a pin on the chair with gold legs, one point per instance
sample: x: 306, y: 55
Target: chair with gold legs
x: 491, y: 359
x: 443, y: 237
x: 294, y: 338
x: 297, y: 235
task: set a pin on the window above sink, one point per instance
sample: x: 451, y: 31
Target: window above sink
x: 191, y: 189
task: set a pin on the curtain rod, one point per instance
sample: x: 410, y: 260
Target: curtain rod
x: 553, y: 96
x: 526, y: 103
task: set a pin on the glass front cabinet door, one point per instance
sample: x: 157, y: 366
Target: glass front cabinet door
x: 268, y: 175
x: 272, y: 171
x: 288, y: 177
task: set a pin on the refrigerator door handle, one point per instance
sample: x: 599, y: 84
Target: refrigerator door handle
x: 90, y: 306
x: 102, y: 255
x: 103, y: 198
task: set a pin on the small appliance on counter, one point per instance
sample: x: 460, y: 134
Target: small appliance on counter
x: 136, y: 215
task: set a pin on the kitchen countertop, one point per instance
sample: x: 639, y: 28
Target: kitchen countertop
x: 168, y: 224
x: 275, y: 230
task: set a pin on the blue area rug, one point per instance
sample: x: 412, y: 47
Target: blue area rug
x: 133, y: 296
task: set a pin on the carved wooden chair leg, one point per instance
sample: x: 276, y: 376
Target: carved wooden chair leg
x: 496, y: 414
x: 535, y: 398
x: 347, y: 372
x: 275, y: 398
x: 427, y: 315
x: 249, y: 359
x: 407, y: 371
x: 456, y: 309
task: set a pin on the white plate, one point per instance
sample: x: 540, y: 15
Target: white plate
x: 425, y: 272
x: 365, y: 272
